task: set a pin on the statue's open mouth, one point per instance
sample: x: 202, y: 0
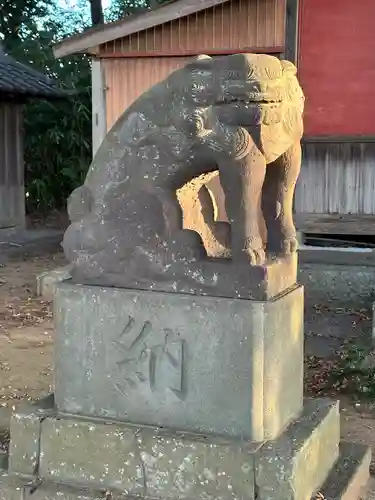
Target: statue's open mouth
x: 246, y: 100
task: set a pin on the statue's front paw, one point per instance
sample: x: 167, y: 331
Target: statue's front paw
x: 289, y: 246
x: 252, y: 252
x: 256, y: 257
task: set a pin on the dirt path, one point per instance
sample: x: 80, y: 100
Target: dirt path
x: 26, y: 333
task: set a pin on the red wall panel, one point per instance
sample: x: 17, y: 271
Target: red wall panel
x: 337, y: 66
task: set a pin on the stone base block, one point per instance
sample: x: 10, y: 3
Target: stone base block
x: 199, y: 364
x: 298, y: 462
x: 350, y: 474
x: 15, y: 488
x: 88, y: 459
x: 25, y: 430
x: 46, y: 282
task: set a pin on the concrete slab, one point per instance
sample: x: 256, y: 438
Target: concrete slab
x: 296, y: 464
x: 342, y: 284
x: 349, y: 477
x: 97, y: 454
x: 53, y: 491
x: 25, y: 431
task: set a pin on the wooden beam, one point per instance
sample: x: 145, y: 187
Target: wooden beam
x: 98, y: 100
x: 339, y: 139
x: 360, y: 224
x: 291, y: 31
x: 185, y: 53
x: 131, y: 24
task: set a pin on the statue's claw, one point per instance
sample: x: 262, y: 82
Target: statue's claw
x: 255, y: 257
x: 289, y: 245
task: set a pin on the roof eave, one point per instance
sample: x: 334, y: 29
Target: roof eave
x: 84, y: 42
x: 62, y: 50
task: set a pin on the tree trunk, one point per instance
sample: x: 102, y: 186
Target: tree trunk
x: 97, y: 16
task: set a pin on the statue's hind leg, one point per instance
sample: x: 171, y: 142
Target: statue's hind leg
x: 277, y: 201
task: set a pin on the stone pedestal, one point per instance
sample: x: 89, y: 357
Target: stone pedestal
x: 168, y: 396
x: 199, y: 364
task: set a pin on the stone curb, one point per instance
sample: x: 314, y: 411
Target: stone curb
x: 296, y: 464
x: 148, y: 462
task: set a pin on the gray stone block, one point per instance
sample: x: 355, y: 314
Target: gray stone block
x: 54, y: 491
x: 192, y: 467
x: 46, y: 282
x: 90, y: 453
x: 14, y: 488
x: 296, y: 464
x: 164, y: 464
x: 201, y: 364
x: 146, y: 461
x: 350, y: 474
x: 25, y: 436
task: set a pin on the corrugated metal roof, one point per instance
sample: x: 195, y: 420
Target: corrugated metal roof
x: 18, y: 79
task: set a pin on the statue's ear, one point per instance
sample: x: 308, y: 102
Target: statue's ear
x: 289, y: 67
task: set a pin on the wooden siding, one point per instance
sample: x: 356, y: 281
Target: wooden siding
x: 12, y: 194
x: 233, y: 25
x: 237, y: 24
x: 126, y: 79
x: 337, y: 178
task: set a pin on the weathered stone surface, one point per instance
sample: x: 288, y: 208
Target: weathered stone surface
x: 146, y: 461
x: 53, y: 491
x: 25, y: 436
x: 98, y: 458
x: 200, y: 364
x: 193, y: 467
x: 46, y: 282
x: 350, y: 474
x: 238, y: 114
x: 91, y: 453
x: 217, y: 278
x: 296, y: 464
x: 14, y: 488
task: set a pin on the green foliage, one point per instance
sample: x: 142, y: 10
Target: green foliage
x: 57, y: 134
x: 19, y: 20
x: 355, y: 372
x: 122, y: 8
x: 58, y: 140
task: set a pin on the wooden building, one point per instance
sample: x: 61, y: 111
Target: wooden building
x: 332, y: 43
x: 18, y: 83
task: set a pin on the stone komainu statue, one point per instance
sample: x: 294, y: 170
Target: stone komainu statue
x: 240, y: 115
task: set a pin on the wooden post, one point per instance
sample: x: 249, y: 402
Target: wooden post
x: 99, y: 118
x: 291, y: 31
x: 12, y: 191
